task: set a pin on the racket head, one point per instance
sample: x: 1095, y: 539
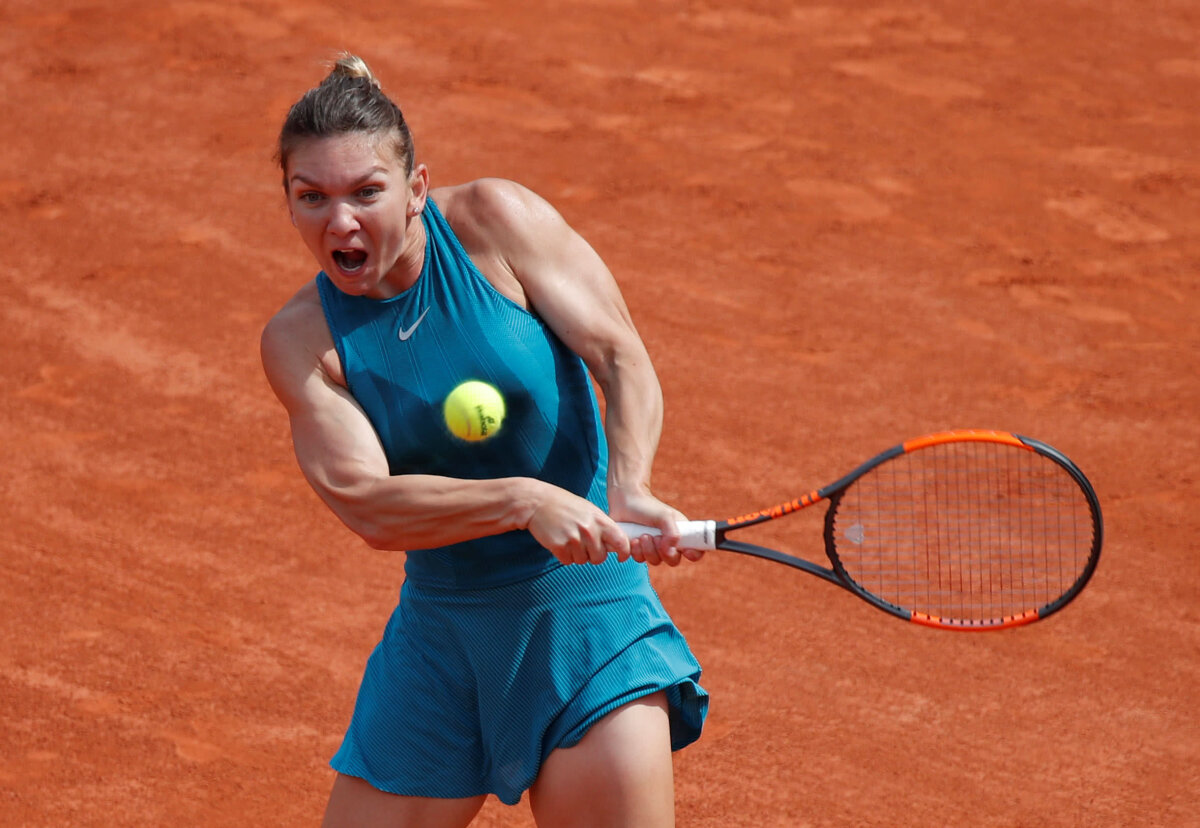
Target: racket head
x: 965, y: 530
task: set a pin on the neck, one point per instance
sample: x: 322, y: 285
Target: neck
x: 407, y: 269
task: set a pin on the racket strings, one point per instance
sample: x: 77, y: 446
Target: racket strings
x: 973, y: 531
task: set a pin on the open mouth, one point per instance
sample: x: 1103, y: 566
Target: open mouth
x: 350, y: 261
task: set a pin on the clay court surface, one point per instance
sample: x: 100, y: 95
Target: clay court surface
x: 838, y: 226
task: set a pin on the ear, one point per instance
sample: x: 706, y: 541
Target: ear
x: 418, y: 183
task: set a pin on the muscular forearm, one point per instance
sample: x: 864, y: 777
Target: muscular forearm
x: 425, y: 511
x: 633, y: 422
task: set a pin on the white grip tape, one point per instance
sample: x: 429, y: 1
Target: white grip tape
x: 693, y: 534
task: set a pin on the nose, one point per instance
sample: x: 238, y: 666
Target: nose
x: 342, y: 219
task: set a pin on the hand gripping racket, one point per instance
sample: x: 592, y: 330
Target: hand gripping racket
x: 963, y: 530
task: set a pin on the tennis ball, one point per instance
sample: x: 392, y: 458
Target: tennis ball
x: 474, y: 410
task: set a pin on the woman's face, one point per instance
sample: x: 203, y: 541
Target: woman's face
x: 353, y: 204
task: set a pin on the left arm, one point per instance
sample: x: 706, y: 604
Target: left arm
x: 572, y: 289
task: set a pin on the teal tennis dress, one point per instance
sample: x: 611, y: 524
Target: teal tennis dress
x: 496, y: 654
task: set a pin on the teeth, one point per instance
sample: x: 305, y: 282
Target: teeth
x: 349, y: 260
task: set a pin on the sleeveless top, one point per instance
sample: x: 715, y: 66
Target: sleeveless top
x: 401, y: 356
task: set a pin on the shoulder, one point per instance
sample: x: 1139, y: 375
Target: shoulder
x: 296, y: 320
x: 496, y: 212
x: 295, y: 342
x: 495, y: 198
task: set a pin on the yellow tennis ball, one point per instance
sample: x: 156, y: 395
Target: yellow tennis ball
x: 474, y: 410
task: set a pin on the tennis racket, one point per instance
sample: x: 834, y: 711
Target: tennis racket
x: 962, y: 530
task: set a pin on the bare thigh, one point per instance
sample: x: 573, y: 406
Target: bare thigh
x: 618, y: 775
x: 354, y: 803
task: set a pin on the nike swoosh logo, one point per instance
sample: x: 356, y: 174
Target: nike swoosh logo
x: 405, y: 333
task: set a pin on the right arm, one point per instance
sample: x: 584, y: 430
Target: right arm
x: 343, y: 460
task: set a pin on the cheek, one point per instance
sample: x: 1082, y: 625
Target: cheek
x: 304, y: 221
x: 310, y: 231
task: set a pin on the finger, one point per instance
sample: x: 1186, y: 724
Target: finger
x: 668, y: 554
x: 650, y: 551
x: 579, y: 553
x: 670, y: 533
x: 612, y: 539
x: 595, y: 550
x: 637, y: 550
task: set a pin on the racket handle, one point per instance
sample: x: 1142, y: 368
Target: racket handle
x: 693, y: 534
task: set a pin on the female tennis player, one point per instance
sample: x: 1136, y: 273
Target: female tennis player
x: 528, y: 651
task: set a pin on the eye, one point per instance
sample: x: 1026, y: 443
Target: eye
x: 370, y: 192
x: 309, y: 197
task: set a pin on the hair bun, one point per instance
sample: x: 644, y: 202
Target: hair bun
x: 352, y: 66
x: 348, y: 100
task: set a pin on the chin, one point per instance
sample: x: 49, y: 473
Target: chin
x: 357, y: 285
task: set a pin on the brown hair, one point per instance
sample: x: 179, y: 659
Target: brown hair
x: 350, y: 99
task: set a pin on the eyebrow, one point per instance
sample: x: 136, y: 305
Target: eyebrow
x: 371, y: 173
